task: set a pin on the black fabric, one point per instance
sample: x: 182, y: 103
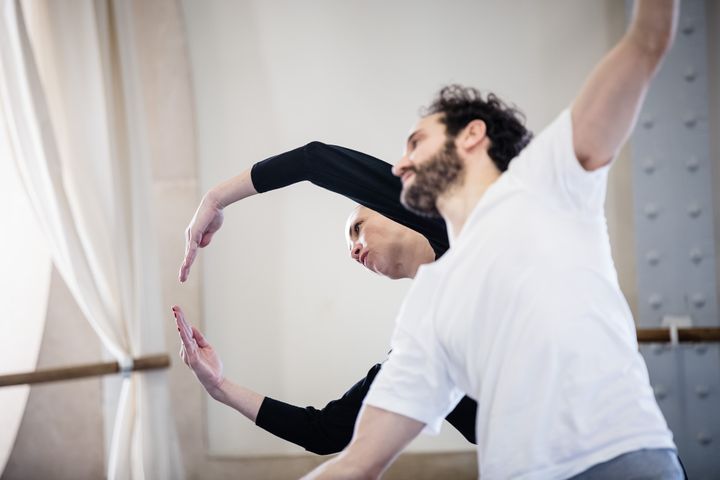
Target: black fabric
x: 355, y: 175
x: 369, y: 182
x: 329, y: 430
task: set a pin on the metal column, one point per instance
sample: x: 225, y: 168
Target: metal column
x: 675, y: 247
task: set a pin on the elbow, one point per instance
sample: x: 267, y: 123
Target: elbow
x: 656, y: 46
x: 313, y: 157
x: 313, y: 148
x: 650, y: 49
x: 325, y: 449
x: 653, y: 31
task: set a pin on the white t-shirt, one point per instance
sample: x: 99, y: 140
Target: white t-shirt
x: 524, y: 314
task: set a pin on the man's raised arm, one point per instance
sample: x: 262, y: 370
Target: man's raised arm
x: 605, y: 111
x: 380, y: 436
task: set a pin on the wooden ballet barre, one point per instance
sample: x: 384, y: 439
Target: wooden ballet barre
x: 155, y: 362
x: 148, y: 362
x: 695, y: 334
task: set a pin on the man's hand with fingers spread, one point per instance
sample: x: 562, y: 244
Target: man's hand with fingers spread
x: 198, y: 354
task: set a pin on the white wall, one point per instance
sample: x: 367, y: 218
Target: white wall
x: 291, y: 316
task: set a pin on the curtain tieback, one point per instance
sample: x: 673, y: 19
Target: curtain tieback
x: 126, y: 365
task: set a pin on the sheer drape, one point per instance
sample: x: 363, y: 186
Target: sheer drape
x: 73, y: 103
x: 24, y: 287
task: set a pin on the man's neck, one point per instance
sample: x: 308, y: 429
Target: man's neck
x: 419, y: 254
x: 456, y: 205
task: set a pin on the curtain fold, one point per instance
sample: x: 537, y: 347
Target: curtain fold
x: 74, y: 106
x: 24, y: 289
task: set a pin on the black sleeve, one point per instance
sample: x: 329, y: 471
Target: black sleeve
x: 329, y: 430
x: 355, y: 175
x: 323, y: 431
x: 463, y: 418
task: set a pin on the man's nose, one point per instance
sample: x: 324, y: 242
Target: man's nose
x: 401, y: 166
x: 355, y: 251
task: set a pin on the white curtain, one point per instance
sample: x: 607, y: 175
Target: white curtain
x: 73, y: 106
x: 24, y: 287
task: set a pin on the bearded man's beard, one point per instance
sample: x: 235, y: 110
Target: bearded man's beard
x: 433, y: 178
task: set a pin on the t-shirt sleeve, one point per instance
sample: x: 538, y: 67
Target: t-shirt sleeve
x: 414, y: 381
x: 360, y: 177
x: 549, y: 167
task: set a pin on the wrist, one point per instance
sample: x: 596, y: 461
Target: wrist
x: 238, y: 397
x: 215, y: 198
x: 232, y: 190
x: 218, y: 390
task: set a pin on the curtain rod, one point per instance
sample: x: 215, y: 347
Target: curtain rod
x: 154, y: 362
x: 148, y: 362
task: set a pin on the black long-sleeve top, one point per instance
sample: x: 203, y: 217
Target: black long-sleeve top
x: 355, y: 175
x: 369, y: 182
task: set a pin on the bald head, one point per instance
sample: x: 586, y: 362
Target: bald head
x: 384, y: 246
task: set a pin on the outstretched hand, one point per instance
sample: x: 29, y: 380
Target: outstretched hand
x: 198, y: 354
x: 207, y: 220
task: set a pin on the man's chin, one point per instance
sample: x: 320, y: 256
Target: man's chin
x: 377, y: 269
x: 425, y: 208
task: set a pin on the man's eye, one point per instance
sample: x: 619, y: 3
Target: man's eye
x: 356, y: 228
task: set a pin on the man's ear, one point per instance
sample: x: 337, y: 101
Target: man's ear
x: 473, y: 135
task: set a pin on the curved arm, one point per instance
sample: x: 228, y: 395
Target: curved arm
x: 355, y: 175
x: 324, y: 431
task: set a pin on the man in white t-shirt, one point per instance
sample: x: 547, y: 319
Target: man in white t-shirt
x: 524, y: 313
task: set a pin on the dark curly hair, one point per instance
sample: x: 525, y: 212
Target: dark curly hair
x: 505, y: 124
